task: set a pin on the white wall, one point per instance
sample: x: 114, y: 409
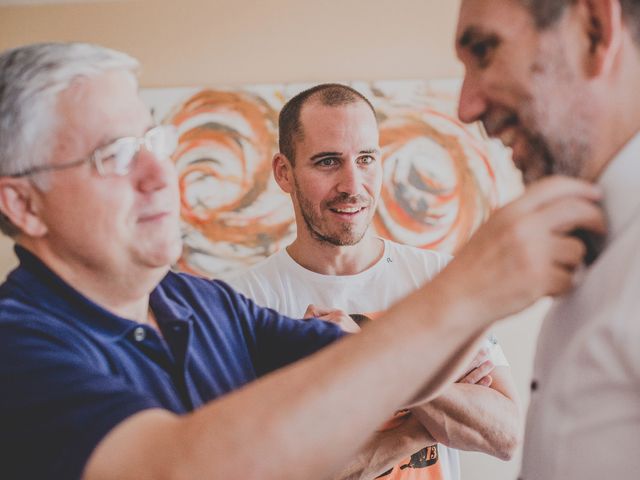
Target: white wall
x: 198, y: 42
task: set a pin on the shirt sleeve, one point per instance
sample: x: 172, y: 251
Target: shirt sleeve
x: 56, y: 405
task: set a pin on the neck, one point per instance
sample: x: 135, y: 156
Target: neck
x: 327, y: 259
x: 125, y: 294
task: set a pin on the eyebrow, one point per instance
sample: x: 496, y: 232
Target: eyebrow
x: 370, y: 151
x: 473, y: 34
x: 320, y: 155
x: 367, y: 151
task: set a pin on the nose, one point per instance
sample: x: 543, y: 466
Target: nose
x: 151, y: 173
x: 472, y: 103
x: 349, y: 181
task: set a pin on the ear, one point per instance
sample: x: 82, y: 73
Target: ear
x: 282, y: 172
x: 19, y: 202
x: 604, y: 26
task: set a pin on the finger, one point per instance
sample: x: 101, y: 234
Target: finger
x: 561, y: 281
x: 476, y: 374
x: 485, y: 381
x: 332, y: 317
x: 317, y: 312
x: 310, y: 312
x: 481, y: 356
x: 570, y: 214
x: 348, y: 325
x: 551, y: 189
x: 568, y: 252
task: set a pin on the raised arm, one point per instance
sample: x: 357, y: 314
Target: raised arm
x: 292, y: 422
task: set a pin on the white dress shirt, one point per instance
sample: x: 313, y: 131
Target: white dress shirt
x: 584, y: 416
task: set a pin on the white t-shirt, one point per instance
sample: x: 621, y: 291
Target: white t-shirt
x: 280, y: 283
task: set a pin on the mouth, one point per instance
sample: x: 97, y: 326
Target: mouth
x: 153, y: 217
x: 347, y: 210
x: 503, y: 127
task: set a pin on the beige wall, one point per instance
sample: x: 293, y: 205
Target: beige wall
x: 240, y: 41
x: 231, y: 42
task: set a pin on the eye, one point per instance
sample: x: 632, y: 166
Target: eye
x: 327, y: 162
x: 117, y: 156
x: 483, y: 50
x: 366, y: 159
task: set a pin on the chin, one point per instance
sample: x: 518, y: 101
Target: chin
x: 531, y: 167
x: 163, y: 256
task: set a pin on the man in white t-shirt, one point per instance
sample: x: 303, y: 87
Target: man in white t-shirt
x: 330, y: 164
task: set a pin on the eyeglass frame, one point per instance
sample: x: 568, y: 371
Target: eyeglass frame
x: 95, y: 159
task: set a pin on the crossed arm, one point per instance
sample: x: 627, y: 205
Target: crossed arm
x: 474, y: 417
x: 478, y: 413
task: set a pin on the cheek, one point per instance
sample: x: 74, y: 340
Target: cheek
x: 373, y: 181
x: 313, y: 190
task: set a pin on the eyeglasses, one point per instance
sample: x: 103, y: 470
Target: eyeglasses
x: 117, y: 157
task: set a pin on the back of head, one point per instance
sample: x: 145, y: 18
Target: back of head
x: 329, y: 94
x: 31, y: 78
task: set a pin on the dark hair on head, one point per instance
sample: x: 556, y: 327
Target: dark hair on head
x: 547, y: 12
x: 329, y: 94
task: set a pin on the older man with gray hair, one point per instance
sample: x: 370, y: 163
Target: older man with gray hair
x: 114, y: 367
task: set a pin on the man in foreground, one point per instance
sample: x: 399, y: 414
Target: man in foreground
x: 556, y: 80
x: 330, y: 163
x: 113, y: 367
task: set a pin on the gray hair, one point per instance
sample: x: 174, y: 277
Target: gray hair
x: 31, y: 78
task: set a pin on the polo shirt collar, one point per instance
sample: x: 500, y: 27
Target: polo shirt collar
x: 39, y: 282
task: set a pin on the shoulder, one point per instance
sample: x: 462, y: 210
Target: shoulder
x: 24, y: 322
x: 178, y: 285
x: 264, y: 282
x: 199, y: 294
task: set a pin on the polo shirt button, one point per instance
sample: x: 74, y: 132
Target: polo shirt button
x: 534, y: 385
x: 139, y: 334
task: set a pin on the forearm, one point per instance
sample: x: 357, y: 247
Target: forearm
x: 473, y: 417
x: 385, y: 449
x: 303, y: 408
x: 291, y: 423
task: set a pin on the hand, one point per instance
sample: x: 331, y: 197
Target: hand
x: 340, y: 318
x: 478, y: 372
x: 480, y: 375
x: 525, y: 251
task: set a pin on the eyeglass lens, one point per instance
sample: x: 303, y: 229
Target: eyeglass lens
x: 118, y: 157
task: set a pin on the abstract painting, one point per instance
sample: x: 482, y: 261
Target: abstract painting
x: 441, y: 178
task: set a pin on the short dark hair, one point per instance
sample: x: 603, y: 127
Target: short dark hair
x: 329, y: 94
x: 547, y: 12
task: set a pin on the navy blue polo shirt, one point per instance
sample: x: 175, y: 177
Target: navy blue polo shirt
x: 70, y: 370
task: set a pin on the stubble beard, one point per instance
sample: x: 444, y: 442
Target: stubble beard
x: 559, y: 136
x: 347, y: 234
